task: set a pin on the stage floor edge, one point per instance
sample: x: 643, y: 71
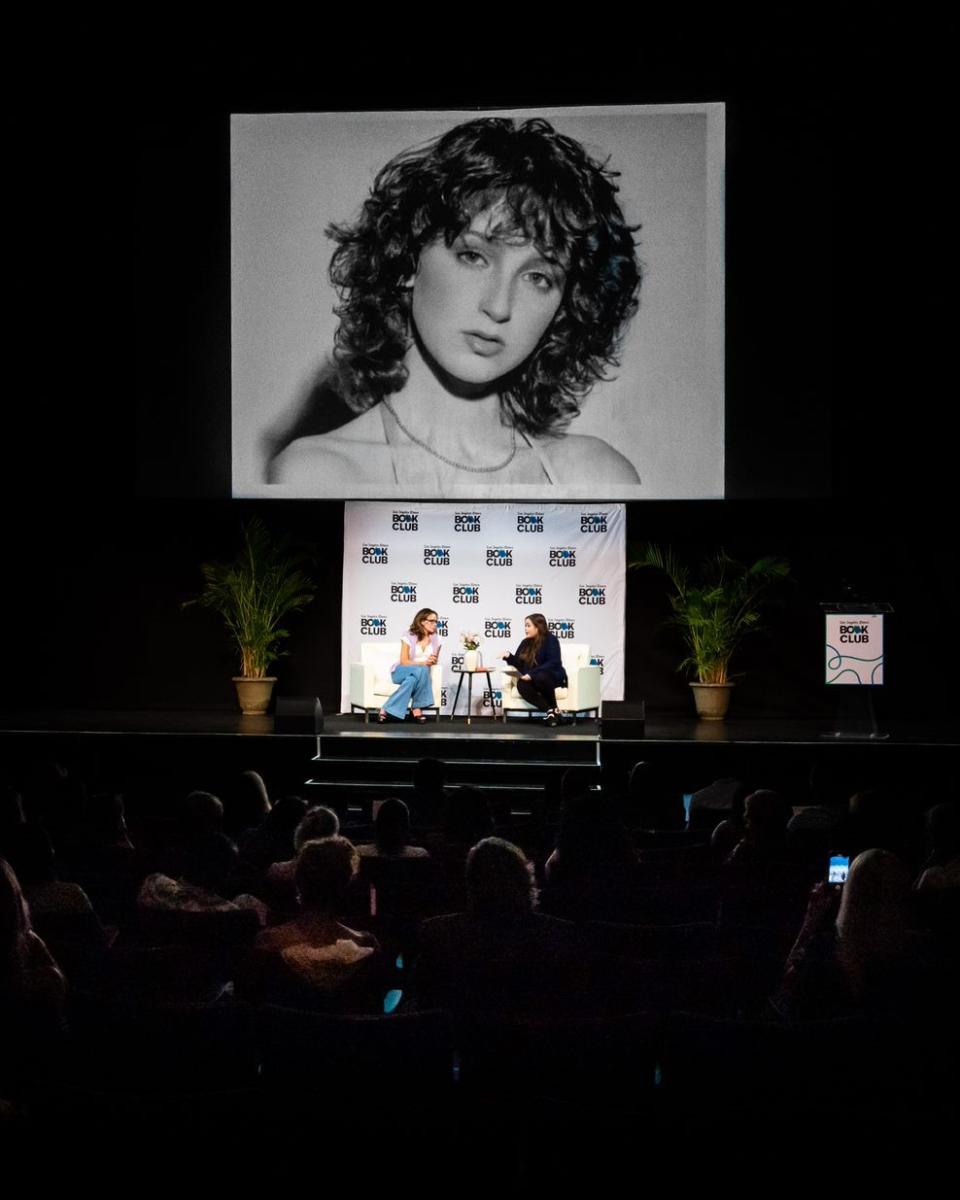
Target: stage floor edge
x: 660, y: 728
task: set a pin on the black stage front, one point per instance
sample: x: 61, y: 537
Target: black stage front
x: 661, y: 729
x: 171, y: 750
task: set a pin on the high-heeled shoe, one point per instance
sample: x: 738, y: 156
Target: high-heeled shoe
x: 383, y: 718
x: 551, y: 719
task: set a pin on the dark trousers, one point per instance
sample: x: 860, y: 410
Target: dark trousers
x: 539, y: 692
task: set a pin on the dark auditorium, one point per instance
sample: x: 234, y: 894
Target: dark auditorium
x: 479, y: 688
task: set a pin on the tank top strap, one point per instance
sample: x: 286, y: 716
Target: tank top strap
x: 541, y: 456
x: 391, y: 433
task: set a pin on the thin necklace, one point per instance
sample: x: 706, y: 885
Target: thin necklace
x: 449, y: 461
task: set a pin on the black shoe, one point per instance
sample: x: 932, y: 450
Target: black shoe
x: 551, y: 720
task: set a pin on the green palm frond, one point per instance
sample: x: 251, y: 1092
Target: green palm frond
x: 716, y: 612
x: 266, y: 581
x: 651, y: 555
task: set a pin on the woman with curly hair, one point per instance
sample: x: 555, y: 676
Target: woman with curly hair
x: 483, y: 291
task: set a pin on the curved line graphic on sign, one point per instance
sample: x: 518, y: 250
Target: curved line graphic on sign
x: 846, y: 671
x: 851, y: 657
x: 841, y: 663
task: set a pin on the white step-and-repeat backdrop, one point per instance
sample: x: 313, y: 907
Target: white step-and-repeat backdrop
x: 483, y: 568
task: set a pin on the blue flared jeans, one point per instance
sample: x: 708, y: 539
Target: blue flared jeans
x: 414, y: 689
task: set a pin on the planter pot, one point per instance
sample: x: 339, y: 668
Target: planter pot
x: 712, y: 700
x: 471, y: 660
x: 253, y: 695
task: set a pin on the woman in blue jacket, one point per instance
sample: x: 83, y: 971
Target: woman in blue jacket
x: 540, y: 666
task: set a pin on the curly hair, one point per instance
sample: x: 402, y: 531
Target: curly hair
x: 550, y: 192
x: 500, y: 880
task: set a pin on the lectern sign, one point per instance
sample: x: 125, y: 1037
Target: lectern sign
x: 854, y: 648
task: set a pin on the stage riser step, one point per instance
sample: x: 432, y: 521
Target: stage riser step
x: 329, y: 770
x: 315, y: 790
x: 568, y: 751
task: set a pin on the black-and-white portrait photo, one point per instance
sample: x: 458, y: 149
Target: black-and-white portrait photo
x: 486, y: 305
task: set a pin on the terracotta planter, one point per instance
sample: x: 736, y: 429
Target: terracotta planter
x: 253, y: 695
x: 712, y: 700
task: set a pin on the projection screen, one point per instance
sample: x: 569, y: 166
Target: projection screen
x: 653, y: 428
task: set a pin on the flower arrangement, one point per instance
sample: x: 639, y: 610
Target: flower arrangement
x: 470, y: 641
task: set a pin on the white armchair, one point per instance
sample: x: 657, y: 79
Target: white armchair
x: 582, y: 694
x: 370, y: 682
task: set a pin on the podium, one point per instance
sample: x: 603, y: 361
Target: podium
x: 854, y: 655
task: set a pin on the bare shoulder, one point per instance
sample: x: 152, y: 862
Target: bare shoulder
x: 320, y: 462
x: 581, y: 459
x: 345, y: 455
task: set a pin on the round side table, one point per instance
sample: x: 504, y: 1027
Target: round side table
x: 488, y: 671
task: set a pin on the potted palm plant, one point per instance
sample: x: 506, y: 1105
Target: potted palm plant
x: 252, y: 593
x: 714, y: 610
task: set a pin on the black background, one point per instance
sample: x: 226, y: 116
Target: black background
x: 117, y: 461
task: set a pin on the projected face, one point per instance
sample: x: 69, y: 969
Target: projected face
x: 482, y: 304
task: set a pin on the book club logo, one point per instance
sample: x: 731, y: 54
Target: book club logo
x: 456, y: 662
x: 466, y: 593
x: 563, y: 556
x: 436, y: 556
x: 405, y: 520
x: 529, y: 522
x: 855, y: 633
x: 597, y: 660
x: 593, y: 522
x: 492, y: 697
x: 497, y: 627
x: 443, y: 625
x: 562, y: 629
x: 373, y: 626
x: 499, y: 556
x: 375, y: 553
x: 466, y: 522
x: 443, y: 696
x: 403, y: 593
x: 529, y: 594
x: 593, y: 594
